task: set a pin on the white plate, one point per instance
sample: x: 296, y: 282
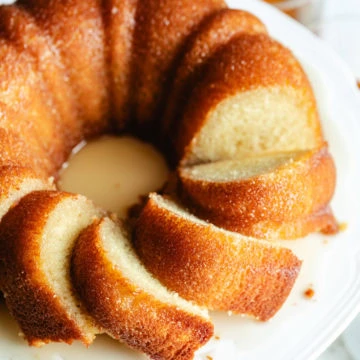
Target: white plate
x: 303, y: 328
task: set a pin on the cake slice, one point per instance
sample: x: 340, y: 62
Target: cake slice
x: 213, y: 33
x: 277, y: 190
x: 36, y: 241
x: 253, y: 98
x: 214, y: 268
x: 128, y: 303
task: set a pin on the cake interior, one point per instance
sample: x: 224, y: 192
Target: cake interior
x: 62, y: 228
x: 248, y: 118
x: 240, y: 169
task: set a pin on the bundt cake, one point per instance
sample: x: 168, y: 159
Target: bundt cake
x: 128, y: 303
x: 196, y: 79
x: 218, y: 269
x: 260, y: 193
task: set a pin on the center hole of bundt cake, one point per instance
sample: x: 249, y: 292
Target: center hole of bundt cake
x: 114, y: 172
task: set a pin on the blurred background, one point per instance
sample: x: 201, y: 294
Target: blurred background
x: 337, y: 22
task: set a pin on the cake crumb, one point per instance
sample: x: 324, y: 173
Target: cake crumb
x: 309, y: 293
x: 217, y: 337
x: 209, y: 357
x: 343, y: 226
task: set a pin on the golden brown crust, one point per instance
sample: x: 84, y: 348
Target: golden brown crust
x: 22, y: 30
x: 17, y: 151
x: 77, y: 30
x: 119, y: 18
x: 289, y: 194
x: 32, y: 302
x: 214, y: 268
x: 162, y: 28
x: 160, y: 330
x: 25, y: 94
x: 214, y: 32
x: 247, y: 62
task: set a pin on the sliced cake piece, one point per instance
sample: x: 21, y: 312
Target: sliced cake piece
x: 253, y: 98
x: 243, y: 193
x: 128, y: 303
x: 36, y: 241
x: 213, y: 33
x: 161, y: 30
x: 215, y: 268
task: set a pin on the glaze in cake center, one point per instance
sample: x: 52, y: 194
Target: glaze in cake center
x: 114, y: 172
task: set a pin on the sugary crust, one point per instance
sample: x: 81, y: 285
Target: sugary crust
x: 119, y: 19
x: 247, y: 62
x: 214, y: 268
x: 17, y: 151
x: 28, y: 295
x: 77, y: 31
x: 22, y: 30
x: 127, y: 312
x: 22, y: 88
x: 214, y: 32
x: 292, y: 191
x: 162, y: 28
